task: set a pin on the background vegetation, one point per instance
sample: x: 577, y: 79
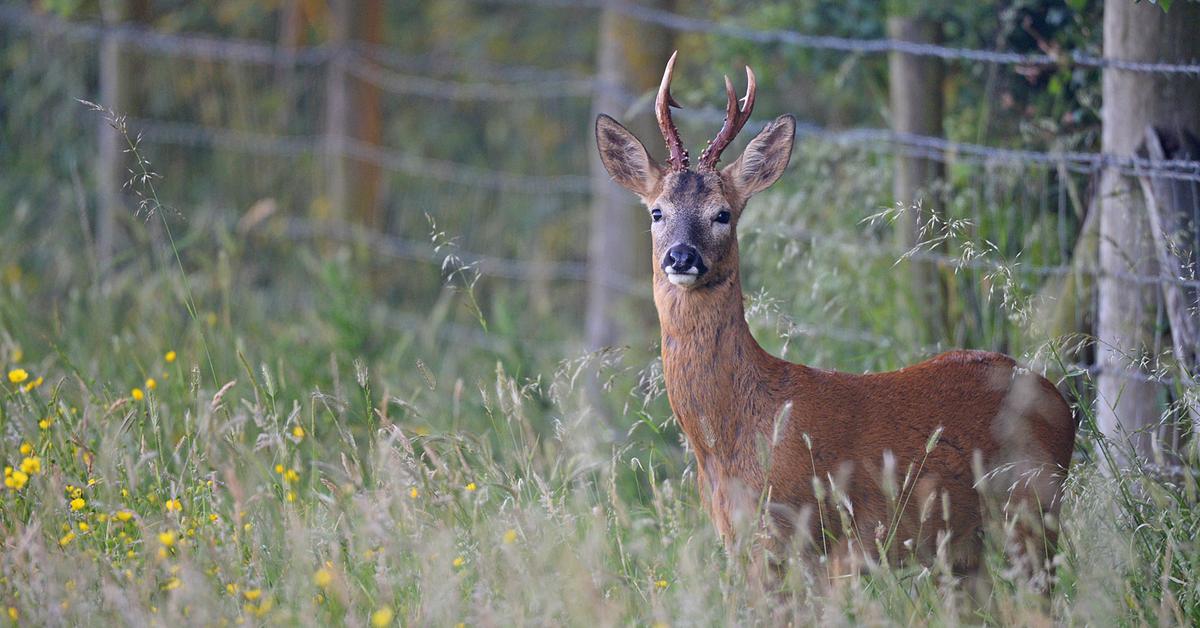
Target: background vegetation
x: 265, y: 408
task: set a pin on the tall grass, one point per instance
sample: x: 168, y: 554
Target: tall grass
x: 303, y: 457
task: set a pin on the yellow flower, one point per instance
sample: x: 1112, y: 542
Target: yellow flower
x: 459, y: 561
x: 151, y: 384
x: 17, y: 376
x: 170, y: 356
x: 12, y: 613
x: 252, y: 594
x: 323, y: 577
x: 231, y: 588
x: 173, y: 505
x: 78, y: 503
x: 167, y: 538
x: 26, y: 449
x: 510, y: 536
x: 124, y: 515
x: 31, y: 465
x: 34, y: 384
x: 471, y: 487
x: 172, y: 584
x: 137, y: 394
x: 101, y: 517
x: 291, y: 497
x: 66, y: 539
x: 661, y: 584
x: 15, y: 480
x: 298, y: 432
x: 414, y: 493
x: 214, y: 517
x: 45, y: 423
x: 291, y: 475
x: 83, y: 526
x: 279, y: 469
x: 382, y: 617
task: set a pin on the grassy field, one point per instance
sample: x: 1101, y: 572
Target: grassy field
x: 187, y: 444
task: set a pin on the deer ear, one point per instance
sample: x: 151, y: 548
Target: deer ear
x: 625, y: 159
x: 765, y: 158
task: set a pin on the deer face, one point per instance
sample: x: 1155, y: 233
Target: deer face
x: 693, y: 214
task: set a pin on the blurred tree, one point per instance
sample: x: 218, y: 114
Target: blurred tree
x: 915, y: 88
x: 1128, y: 404
x: 630, y: 61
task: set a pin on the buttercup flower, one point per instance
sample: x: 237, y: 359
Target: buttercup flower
x: 382, y: 617
x: 170, y: 356
x: 17, y: 376
x: 137, y: 394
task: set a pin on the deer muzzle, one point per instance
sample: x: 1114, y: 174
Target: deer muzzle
x: 683, y: 265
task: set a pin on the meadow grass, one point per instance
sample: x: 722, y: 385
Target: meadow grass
x: 184, y: 445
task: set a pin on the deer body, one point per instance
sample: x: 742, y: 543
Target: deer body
x: 848, y: 432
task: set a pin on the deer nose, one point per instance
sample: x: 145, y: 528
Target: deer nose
x: 681, y: 258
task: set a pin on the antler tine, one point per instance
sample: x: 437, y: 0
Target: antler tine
x: 662, y: 110
x: 735, y: 118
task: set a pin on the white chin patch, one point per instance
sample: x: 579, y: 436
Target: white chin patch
x: 682, y: 279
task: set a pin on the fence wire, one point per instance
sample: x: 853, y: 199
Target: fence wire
x: 406, y: 75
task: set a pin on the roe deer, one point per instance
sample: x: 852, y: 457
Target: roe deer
x: 947, y: 420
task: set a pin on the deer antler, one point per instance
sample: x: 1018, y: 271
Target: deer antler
x: 735, y: 119
x: 662, y: 111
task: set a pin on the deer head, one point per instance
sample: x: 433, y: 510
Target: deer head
x: 694, y: 212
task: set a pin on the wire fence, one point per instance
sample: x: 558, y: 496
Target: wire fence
x: 566, y: 96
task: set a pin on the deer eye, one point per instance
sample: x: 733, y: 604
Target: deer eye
x: 723, y: 217
x: 656, y: 214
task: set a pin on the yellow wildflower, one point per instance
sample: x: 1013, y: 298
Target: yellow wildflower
x: 414, y: 493
x: 83, y: 526
x: 12, y: 613
x: 291, y: 475
x: 151, y: 384
x: 291, y: 497
x: 26, y: 449
x: 124, y: 515
x: 459, y: 561
x: 298, y: 432
x: 15, y: 480
x: 170, y: 356
x: 137, y: 394
x: 172, y: 584
x: 661, y: 584
x: 34, y: 384
x: 66, y: 539
x: 78, y: 503
x: 253, y: 594
x: 214, y: 517
x: 102, y: 517
x: 167, y: 538
x: 45, y: 423
x: 231, y: 588
x: 323, y: 577
x: 510, y: 536
x: 279, y: 469
x: 17, y: 376
x: 173, y: 505
x: 382, y: 617
x: 471, y: 487
x: 31, y: 465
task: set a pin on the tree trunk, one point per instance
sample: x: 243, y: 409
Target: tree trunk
x: 1127, y: 406
x: 630, y: 61
x: 368, y: 123
x: 915, y: 88
x: 337, y: 112
x: 115, y: 93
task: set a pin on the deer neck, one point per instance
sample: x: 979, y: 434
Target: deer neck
x: 711, y: 362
